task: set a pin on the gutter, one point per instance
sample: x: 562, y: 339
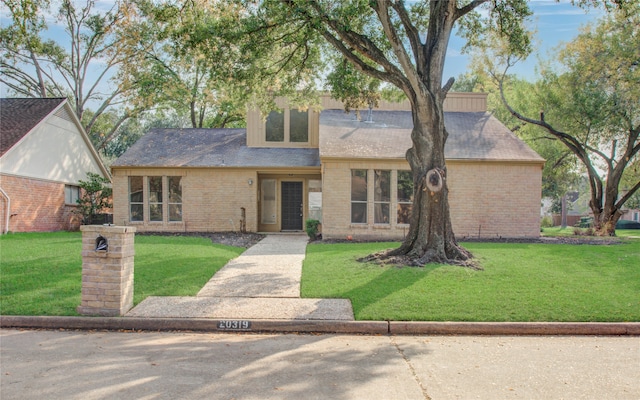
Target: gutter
x: 8, y: 215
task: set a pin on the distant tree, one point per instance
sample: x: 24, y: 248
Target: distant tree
x: 79, y: 65
x: 562, y: 169
x: 176, y: 73
x: 355, y: 89
x: 592, y: 108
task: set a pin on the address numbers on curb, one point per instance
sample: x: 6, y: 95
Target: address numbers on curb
x: 234, y: 325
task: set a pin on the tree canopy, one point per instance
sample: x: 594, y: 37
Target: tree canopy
x: 591, y: 107
x: 79, y: 65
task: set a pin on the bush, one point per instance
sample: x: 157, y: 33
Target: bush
x: 311, y: 227
x: 95, y: 197
x: 547, y: 222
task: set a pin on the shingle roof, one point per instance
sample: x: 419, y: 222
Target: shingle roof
x: 210, y: 148
x: 19, y: 116
x: 472, y: 135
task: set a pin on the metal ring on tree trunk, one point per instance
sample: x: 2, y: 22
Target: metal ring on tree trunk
x: 433, y: 180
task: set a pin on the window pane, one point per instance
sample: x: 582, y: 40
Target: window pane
x: 359, y: 213
x: 269, y: 202
x: 135, y: 189
x: 405, y: 186
x: 136, y: 212
x: 155, y: 198
x: 175, y: 189
x: 358, y: 185
x: 175, y: 212
x: 299, y: 126
x: 155, y: 212
x: 275, y: 127
x: 175, y: 198
x: 136, y: 207
x: 71, y: 194
x: 381, y: 213
x: 155, y: 189
x: 404, y: 213
x: 382, y: 186
x: 315, y: 199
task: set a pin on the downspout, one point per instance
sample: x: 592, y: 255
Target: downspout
x: 8, y: 215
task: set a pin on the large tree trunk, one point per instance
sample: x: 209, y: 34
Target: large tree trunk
x: 430, y: 238
x: 605, y: 211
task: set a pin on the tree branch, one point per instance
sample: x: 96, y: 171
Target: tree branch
x: 396, y: 44
x: 462, y: 11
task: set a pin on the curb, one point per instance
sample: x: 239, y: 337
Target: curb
x: 325, y: 326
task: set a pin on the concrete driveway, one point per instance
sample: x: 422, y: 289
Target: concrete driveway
x: 37, y: 364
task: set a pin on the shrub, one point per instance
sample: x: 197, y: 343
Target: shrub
x: 95, y: 197
x: 547, y: 222
x: 311, y: 227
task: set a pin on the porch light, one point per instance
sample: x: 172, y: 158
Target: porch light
x: 250, y: 181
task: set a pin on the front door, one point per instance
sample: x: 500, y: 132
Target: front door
x: 292, y: 206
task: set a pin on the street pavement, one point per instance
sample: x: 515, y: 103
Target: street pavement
x: 68, y: 364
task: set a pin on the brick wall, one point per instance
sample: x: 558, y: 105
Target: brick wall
x: 495, y: 199
x: 36, y: 206
x: 211, y: 199
x: 486, y: 199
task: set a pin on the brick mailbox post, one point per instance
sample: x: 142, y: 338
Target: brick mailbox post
x: 107, y: 270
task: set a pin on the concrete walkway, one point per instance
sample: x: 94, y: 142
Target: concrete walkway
x: 262, y: 283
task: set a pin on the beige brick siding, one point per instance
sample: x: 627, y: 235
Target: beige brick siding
x: 211, y: 199
x: 36, y: 205
x: 487, y: 199
x: 493, y: 199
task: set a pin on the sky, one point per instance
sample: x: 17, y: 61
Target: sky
x: 555, y: 22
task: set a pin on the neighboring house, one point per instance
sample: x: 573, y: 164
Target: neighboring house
x: 630, y: 215
x: 44, y: 153
x: 350, y: 174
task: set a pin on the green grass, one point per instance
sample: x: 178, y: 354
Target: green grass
x: 569, y: 231
x: 520, y: 282
x: 41, y: 273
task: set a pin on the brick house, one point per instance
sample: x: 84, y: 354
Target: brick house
x: 44, y: 153
x: 349, y: 173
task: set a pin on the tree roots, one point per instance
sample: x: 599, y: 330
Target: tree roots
x: 390, y: 257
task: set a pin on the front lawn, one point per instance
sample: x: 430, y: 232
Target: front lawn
x: 41, y: 273
x: 520, y: 282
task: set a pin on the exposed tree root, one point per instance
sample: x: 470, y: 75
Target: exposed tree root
x: 388, y: 257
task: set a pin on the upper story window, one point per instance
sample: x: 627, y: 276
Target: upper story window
x: 287, y: 126
x: 275, y: 127
x: 299, y: 126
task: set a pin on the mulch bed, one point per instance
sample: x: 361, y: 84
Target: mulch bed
x: 575, y: 240
x: 248, y: 239
x: 236, y: 239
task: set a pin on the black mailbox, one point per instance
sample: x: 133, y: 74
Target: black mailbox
x: 101, y: 244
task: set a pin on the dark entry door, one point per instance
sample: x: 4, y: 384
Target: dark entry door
x: 291, y: 206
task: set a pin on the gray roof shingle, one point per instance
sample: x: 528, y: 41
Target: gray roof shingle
x: 472, y: 136
x: 210, y: 148
x: 19, y: 116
